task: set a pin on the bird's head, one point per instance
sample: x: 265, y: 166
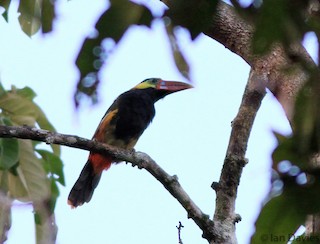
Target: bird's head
x: 161, y: 87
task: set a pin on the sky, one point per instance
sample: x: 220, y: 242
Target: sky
x: 188, y: 137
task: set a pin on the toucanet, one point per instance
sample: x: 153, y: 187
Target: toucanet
x: 121, y: 126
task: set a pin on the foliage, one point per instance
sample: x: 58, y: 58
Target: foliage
x: 127, y: 14
x: 28, y: 174
x: 286, y: 22
x: 279, y: 21
x: 276, y: 22
x: 92, y: 54
x: 34, y: 15
x: 294, y: 161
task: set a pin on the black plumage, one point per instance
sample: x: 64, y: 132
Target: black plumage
x: 121, y: 126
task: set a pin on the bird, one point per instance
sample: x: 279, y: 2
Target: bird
x: 121, y: 126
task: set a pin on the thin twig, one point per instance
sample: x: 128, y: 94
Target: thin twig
x: 179, y: 227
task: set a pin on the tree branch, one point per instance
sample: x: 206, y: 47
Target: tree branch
x: 142, y: 160
x: 226, y: 189
x: 235, y: 33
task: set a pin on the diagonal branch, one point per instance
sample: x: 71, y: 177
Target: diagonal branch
x: 226, y: 189
x: 142, y: 160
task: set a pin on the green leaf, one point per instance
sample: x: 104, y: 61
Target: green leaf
x: 304, y: 142
x: 47, y: 15
x: 287, y: 149
x: 17, y: 186
x: 277, y: 221
x: 120, y: 16
x: 30, y: 16
x: 31, y: 183
x: 178, y: 57
x: 269, y: 25
x: 33, y: 172
x: 45, y: 124
x: 34, y: 14
x: 195, y: 15
x: 20, y: 110
x: 5, y: 4
x: 306, y: 120
x: 284, y: 214
x: 2, y: 90
x: 85, y: 62
x: 9, y: 149
x: 28, y: 180
x: 26, y: 92
x: 279, y: 21
x: 113, y: 23
x: 53, y: 165
x: 54, y: 193
x: 19, y: 107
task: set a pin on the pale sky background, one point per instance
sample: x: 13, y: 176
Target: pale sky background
x: 188, y: 136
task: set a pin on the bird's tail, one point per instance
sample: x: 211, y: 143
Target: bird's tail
x: 88, y: 180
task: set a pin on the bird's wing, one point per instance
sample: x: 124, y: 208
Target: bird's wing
x: 104, y: 132
x: 106, y: 127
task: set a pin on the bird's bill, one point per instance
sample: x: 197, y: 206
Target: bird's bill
x: 172, y: 86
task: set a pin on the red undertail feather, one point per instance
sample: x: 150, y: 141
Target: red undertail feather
x: 100, y: 162
x: 88, y: 180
